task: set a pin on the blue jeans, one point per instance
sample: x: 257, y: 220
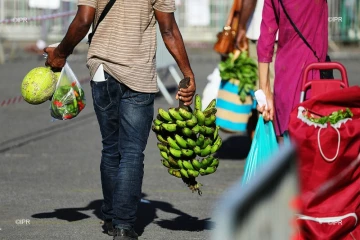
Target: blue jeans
x: 125, y: 118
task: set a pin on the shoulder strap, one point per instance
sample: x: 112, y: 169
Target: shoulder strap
x: 298, y: 31
x: 276, y: 14
x: 102, y: 16
x: 235, y: 7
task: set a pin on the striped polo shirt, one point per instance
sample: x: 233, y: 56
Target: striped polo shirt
x: 125, y: 41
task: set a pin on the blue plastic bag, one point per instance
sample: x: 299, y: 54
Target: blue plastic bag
x: 263, y: 146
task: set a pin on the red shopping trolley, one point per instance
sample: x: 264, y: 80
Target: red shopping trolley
x: 326, y: 130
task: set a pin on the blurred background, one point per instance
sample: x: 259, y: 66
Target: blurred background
x: 199, y: 21
x: 49, y: 171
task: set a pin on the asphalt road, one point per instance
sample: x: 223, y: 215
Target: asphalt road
x: 49, y: 171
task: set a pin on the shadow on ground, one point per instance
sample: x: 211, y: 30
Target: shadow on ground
x: 72, y: 214
x: 147, y: 214
x: 237, y: 146
x: 234, y: 148
x: 183, y: 221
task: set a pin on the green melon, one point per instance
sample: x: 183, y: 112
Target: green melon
x: 57, y: 75
x: 38, y: 85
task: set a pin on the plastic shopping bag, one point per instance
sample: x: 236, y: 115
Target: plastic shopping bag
x: 212, y: 88
x: 264, y: 144
x: 69, y: 98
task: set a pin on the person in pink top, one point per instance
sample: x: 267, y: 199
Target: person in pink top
x: 292, y: 56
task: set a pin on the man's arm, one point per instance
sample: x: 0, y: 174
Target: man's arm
x: 174, y: 43
x: 248, y: 7
x: 76, y: 32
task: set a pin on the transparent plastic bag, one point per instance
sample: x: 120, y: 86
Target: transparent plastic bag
x: 263, y: 145
x: 212, y: 88
x: 69, y: 98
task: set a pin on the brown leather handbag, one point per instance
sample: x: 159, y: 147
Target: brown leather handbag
x: 226, y: 38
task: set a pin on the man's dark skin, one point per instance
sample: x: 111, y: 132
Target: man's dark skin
x: 169, y: 31
x: 248, y: 7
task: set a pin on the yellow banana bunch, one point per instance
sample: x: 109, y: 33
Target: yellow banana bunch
x: 188, y: 141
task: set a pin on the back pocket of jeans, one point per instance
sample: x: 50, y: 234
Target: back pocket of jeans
x: 101, y: 94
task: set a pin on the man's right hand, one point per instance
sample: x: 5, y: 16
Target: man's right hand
x: 186, y: 94
x: 54, y: 60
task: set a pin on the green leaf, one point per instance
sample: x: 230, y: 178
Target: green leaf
x: 243, y: 96
x: 334, y: 117
x: 239, y: 76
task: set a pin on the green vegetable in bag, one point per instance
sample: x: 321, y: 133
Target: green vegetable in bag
x: 69, y: 98
x: 333, y: 118
x: 242, y: 68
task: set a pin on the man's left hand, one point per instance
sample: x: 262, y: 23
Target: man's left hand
x: 186, y: 94
x: 241, y: 41
x: 54, y: 59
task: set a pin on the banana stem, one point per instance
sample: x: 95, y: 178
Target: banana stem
x: 192, y: 184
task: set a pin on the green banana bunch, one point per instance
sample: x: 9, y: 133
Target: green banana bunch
x: 198, y: 103
x: 200, y: 117
x: 175, y: 115
x: 164, y: 115
x: 164, y: 155
x: 192, y: 122
x: 170, y: 127
x: 206, y: 162
x: 174, y: 152
x: 188, y: 141
x: 210, y: 120
x: 174, y: 172
x: 185, y: 114
x: 157, y: 122
x: 181, y: 141
x: 196, y: 164
x: 162, y: 147
x: 181, y: 124
x: 165, y: 163
x: 172, y: 143
x: 187, y: 152
x: 187, y: 132
x: 191, y: 143
x: 187, y: 165
x: 156, y: 129
x: 207, y: 171
x: 173, y: 163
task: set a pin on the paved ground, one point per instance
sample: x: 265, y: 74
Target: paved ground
x: 49, y: 171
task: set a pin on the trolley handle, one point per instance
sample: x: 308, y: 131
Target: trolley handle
x: 325, y: 66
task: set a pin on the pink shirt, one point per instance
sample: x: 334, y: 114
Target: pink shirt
x: 311, y: 18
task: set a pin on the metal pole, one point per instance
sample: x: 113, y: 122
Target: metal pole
x: 44, y: 27
x: 2, y: 9
x: 164, y: 91
x: 174, y: 74
x: 2, y: 16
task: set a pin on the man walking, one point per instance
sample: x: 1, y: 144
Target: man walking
x: 122, y: 65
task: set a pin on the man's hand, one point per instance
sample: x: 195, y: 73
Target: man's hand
x: 247, y: 9
x: 54, y: 60
x: 78, y: 29
x: 241, y: 42
x: 186, y: 94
